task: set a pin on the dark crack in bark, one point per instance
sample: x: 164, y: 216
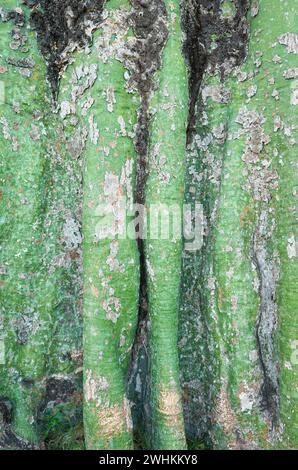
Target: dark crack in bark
x: 211, y: 41
x: 267, y: 318
x: 61, y: 28
x: 149, y: 22
x: 214, y: 44
x: 8, y: 438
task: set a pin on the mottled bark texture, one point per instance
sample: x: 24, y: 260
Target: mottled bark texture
x: 104, y: 104
x: 40, y: 384
x: 238, y: 318
x: 163, y: 257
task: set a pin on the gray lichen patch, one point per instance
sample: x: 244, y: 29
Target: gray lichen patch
x: 216, y: 93
x: 94, y: 387
x: 261, y: 178
x: 291, y: 73
x: 112, y: 261
x: 215, y: 47
x: 292, y: 246
x: 111, y: 304
x: 290, y: 40
x: 77, y: 143
x: 71, y: 234
x: 16, y: 16
x: 25, y: 325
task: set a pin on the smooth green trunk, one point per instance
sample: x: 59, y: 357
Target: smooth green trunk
x: 40, y: 256
x: 110, y: 257
x: 26, y: 299
x: 163, y: 256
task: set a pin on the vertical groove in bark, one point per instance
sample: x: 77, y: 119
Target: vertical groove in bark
x: 267, y: 318
x: 163, y: 257
x: 149, y: 24
x: 215, y: 45
x: 278, y: 61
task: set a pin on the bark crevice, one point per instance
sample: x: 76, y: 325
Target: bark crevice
x: 61, y: 28
x: 212, y: 41
x: 148, y: 20
x: 268, y: 274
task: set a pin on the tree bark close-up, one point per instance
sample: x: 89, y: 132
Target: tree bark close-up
x: 148, y: 225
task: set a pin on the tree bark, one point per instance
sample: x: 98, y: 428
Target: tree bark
x: 105, y: 105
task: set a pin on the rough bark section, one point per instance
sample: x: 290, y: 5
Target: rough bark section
x: 233, y: 394
x: 61, y: 28
x: 215, y: 45
x: 43, y: 315
x: 267, y: 319
x: 148, y: 20
x: 245, y: 313
x: 215, y: 39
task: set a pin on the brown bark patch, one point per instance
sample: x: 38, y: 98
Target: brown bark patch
x: 170, y: 406
x: 224, y: 414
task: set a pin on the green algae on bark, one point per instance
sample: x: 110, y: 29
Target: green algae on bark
x: 253, y: 232
x: 26, y: 300
x: 215, y: 45
x: 40, y: 182
x: 237, y: 338
x: 163, y: 257
x: 249, y: 311
x: 96, y: 98
x: 198, y: 344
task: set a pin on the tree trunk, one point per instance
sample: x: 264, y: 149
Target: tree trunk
x: 115, y: 116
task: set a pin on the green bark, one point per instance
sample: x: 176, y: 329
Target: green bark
x: 248, y: 272
x: 163, y: 257
x: 251, y: 191
x: 25, y: 297
x: 110, y: 257
x: 199, y: 336
x: 39, y: 180
x: 236, y: 317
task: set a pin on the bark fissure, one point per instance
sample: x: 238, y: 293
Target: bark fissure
x: 267, y: 318
x: 148, y: 20
x: 211, y: 41
x: 61, y: 28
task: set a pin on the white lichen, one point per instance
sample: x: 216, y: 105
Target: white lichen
x: 291, y: 41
